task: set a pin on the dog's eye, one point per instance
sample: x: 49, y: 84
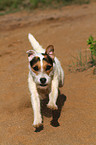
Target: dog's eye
x: 48, y: 67
x: 36, y: 68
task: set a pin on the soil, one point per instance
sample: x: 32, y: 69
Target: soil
x: 67, y: 29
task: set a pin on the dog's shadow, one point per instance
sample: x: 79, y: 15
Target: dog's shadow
x: 55, y: 114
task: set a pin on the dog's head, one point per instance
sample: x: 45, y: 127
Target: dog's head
x: 41, y: 66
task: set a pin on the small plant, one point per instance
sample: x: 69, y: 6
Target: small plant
x: 80, y: 62
x: 85, y: 61
x: 92, y: 46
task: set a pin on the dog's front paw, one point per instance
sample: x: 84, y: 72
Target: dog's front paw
x: 37, y: 123
x: 52, y: 106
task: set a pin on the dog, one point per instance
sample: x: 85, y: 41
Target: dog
x: 45, y: 77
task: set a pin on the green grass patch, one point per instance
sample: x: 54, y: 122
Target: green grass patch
x: 80, y: 62
x: 85, y: 59
x: 13, y: 5
x: 9, y: 4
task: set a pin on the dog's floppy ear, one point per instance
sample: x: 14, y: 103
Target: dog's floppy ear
x: 50, y: 51
x: 31, y: 54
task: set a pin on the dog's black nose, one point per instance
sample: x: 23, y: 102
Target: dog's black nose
x: 43, y: 80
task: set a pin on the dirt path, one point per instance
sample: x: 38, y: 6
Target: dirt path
x: 67, y: 29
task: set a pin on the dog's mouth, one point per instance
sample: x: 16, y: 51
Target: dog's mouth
x: 43, y: 85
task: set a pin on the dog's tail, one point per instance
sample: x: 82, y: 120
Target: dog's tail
x: 35, y: 44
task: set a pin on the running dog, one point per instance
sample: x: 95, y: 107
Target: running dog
x: 45, y: 77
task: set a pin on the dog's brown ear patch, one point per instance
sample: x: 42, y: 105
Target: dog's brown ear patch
x: 50, y: 51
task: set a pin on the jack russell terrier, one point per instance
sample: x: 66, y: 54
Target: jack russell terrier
x: 45, y: 77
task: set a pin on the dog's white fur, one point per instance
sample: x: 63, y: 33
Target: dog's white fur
x: 55, y: 80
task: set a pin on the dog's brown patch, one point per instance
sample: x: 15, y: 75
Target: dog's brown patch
x: 35, y: 64
x: 34, y: 60
x: 48, y: 59
x: 47, y: 64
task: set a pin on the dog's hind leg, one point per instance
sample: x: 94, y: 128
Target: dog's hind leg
x: 53, y: 95
x: 61, y: 77
x: 60, y: 73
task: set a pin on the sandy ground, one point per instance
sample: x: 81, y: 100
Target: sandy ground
x: 67, y: 29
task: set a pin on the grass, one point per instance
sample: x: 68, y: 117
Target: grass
x: 85, y: 59
x: 7, y: 6
x: 80, y: 62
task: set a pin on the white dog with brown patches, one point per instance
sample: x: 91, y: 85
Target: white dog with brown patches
x: 45, y: 77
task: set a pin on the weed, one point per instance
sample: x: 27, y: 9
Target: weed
x: 80, y: 62
x: 85, y: 60
x: 92, y: 47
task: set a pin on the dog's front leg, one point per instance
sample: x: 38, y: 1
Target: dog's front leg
x: 35, y: 100
x: 36, y: 109
x: 53, y: 94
